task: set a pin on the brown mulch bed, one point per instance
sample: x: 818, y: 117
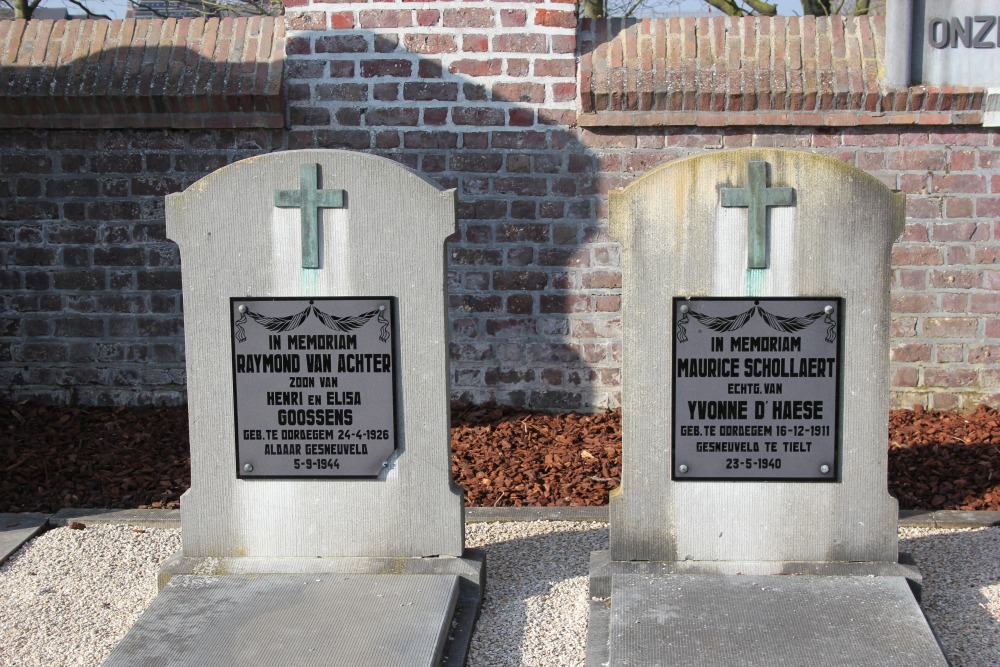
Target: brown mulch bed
x: 945, y: 460
x: 55, y: 457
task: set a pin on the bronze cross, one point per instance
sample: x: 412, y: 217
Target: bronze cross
x: 310, y: 199
x: 756, y: 197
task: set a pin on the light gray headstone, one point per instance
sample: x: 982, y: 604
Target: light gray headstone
x: 678, y: 240
x: 387, y: 241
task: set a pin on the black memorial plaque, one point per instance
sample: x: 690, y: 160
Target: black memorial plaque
x: 756, y: 389
x: 314, y: 386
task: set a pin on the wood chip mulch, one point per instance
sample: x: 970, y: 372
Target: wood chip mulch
x: 945, y: 460
x: 53, y: 457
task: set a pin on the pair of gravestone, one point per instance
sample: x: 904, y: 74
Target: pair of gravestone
x: 756, y: 281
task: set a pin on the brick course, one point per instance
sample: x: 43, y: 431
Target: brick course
x: 482, y: 97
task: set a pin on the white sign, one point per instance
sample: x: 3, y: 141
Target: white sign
x: 956, y: 42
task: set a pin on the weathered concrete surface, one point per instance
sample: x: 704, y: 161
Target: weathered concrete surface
x: 302, y: 620
x: 152, y: 518
x: 16, y: 529
x: 763, y: 621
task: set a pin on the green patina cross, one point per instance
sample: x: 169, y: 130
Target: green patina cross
x: 310, y: 199
x: 756, y: 197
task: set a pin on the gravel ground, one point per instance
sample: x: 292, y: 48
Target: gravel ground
x: 70, y: 595
x: 961, y: 596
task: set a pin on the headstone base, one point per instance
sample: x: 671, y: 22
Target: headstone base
x: 602, y: 568
x: 660, y: 619
x: 216, y: 612
x: 471, y: 567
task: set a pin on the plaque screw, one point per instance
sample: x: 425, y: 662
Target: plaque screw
x: 828, y: 309
x: 242, y: 309
x: 381, y: 309
x: 824, y: 468
x: 385, y: 464
x: 248, y: 467
x: 683, y: 468
x: 684, y: 309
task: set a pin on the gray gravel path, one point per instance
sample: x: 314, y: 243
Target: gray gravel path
x: 961, y: 595
x: 69, y: 595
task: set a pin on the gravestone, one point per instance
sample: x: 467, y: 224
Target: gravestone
x: 755, y: 407
x: 322, y: 525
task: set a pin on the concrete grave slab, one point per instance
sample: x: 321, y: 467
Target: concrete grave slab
x: 766, y: 621
x: 603, y: 570
x: 149, y: 518
x: 18, y: 528
x: 301, y: 620
x: 470, y: 571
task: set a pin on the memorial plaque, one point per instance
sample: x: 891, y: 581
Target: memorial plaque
x: 314, y: 386
x: 756, y: 389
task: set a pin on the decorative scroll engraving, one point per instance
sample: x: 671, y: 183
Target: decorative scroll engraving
x: 294, y: 321
x: 776, y: 322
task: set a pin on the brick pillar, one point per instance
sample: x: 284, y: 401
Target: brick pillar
x: 481, y: 97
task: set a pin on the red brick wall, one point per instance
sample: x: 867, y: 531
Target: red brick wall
x: 783, y: 71
x: 483, y: 97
